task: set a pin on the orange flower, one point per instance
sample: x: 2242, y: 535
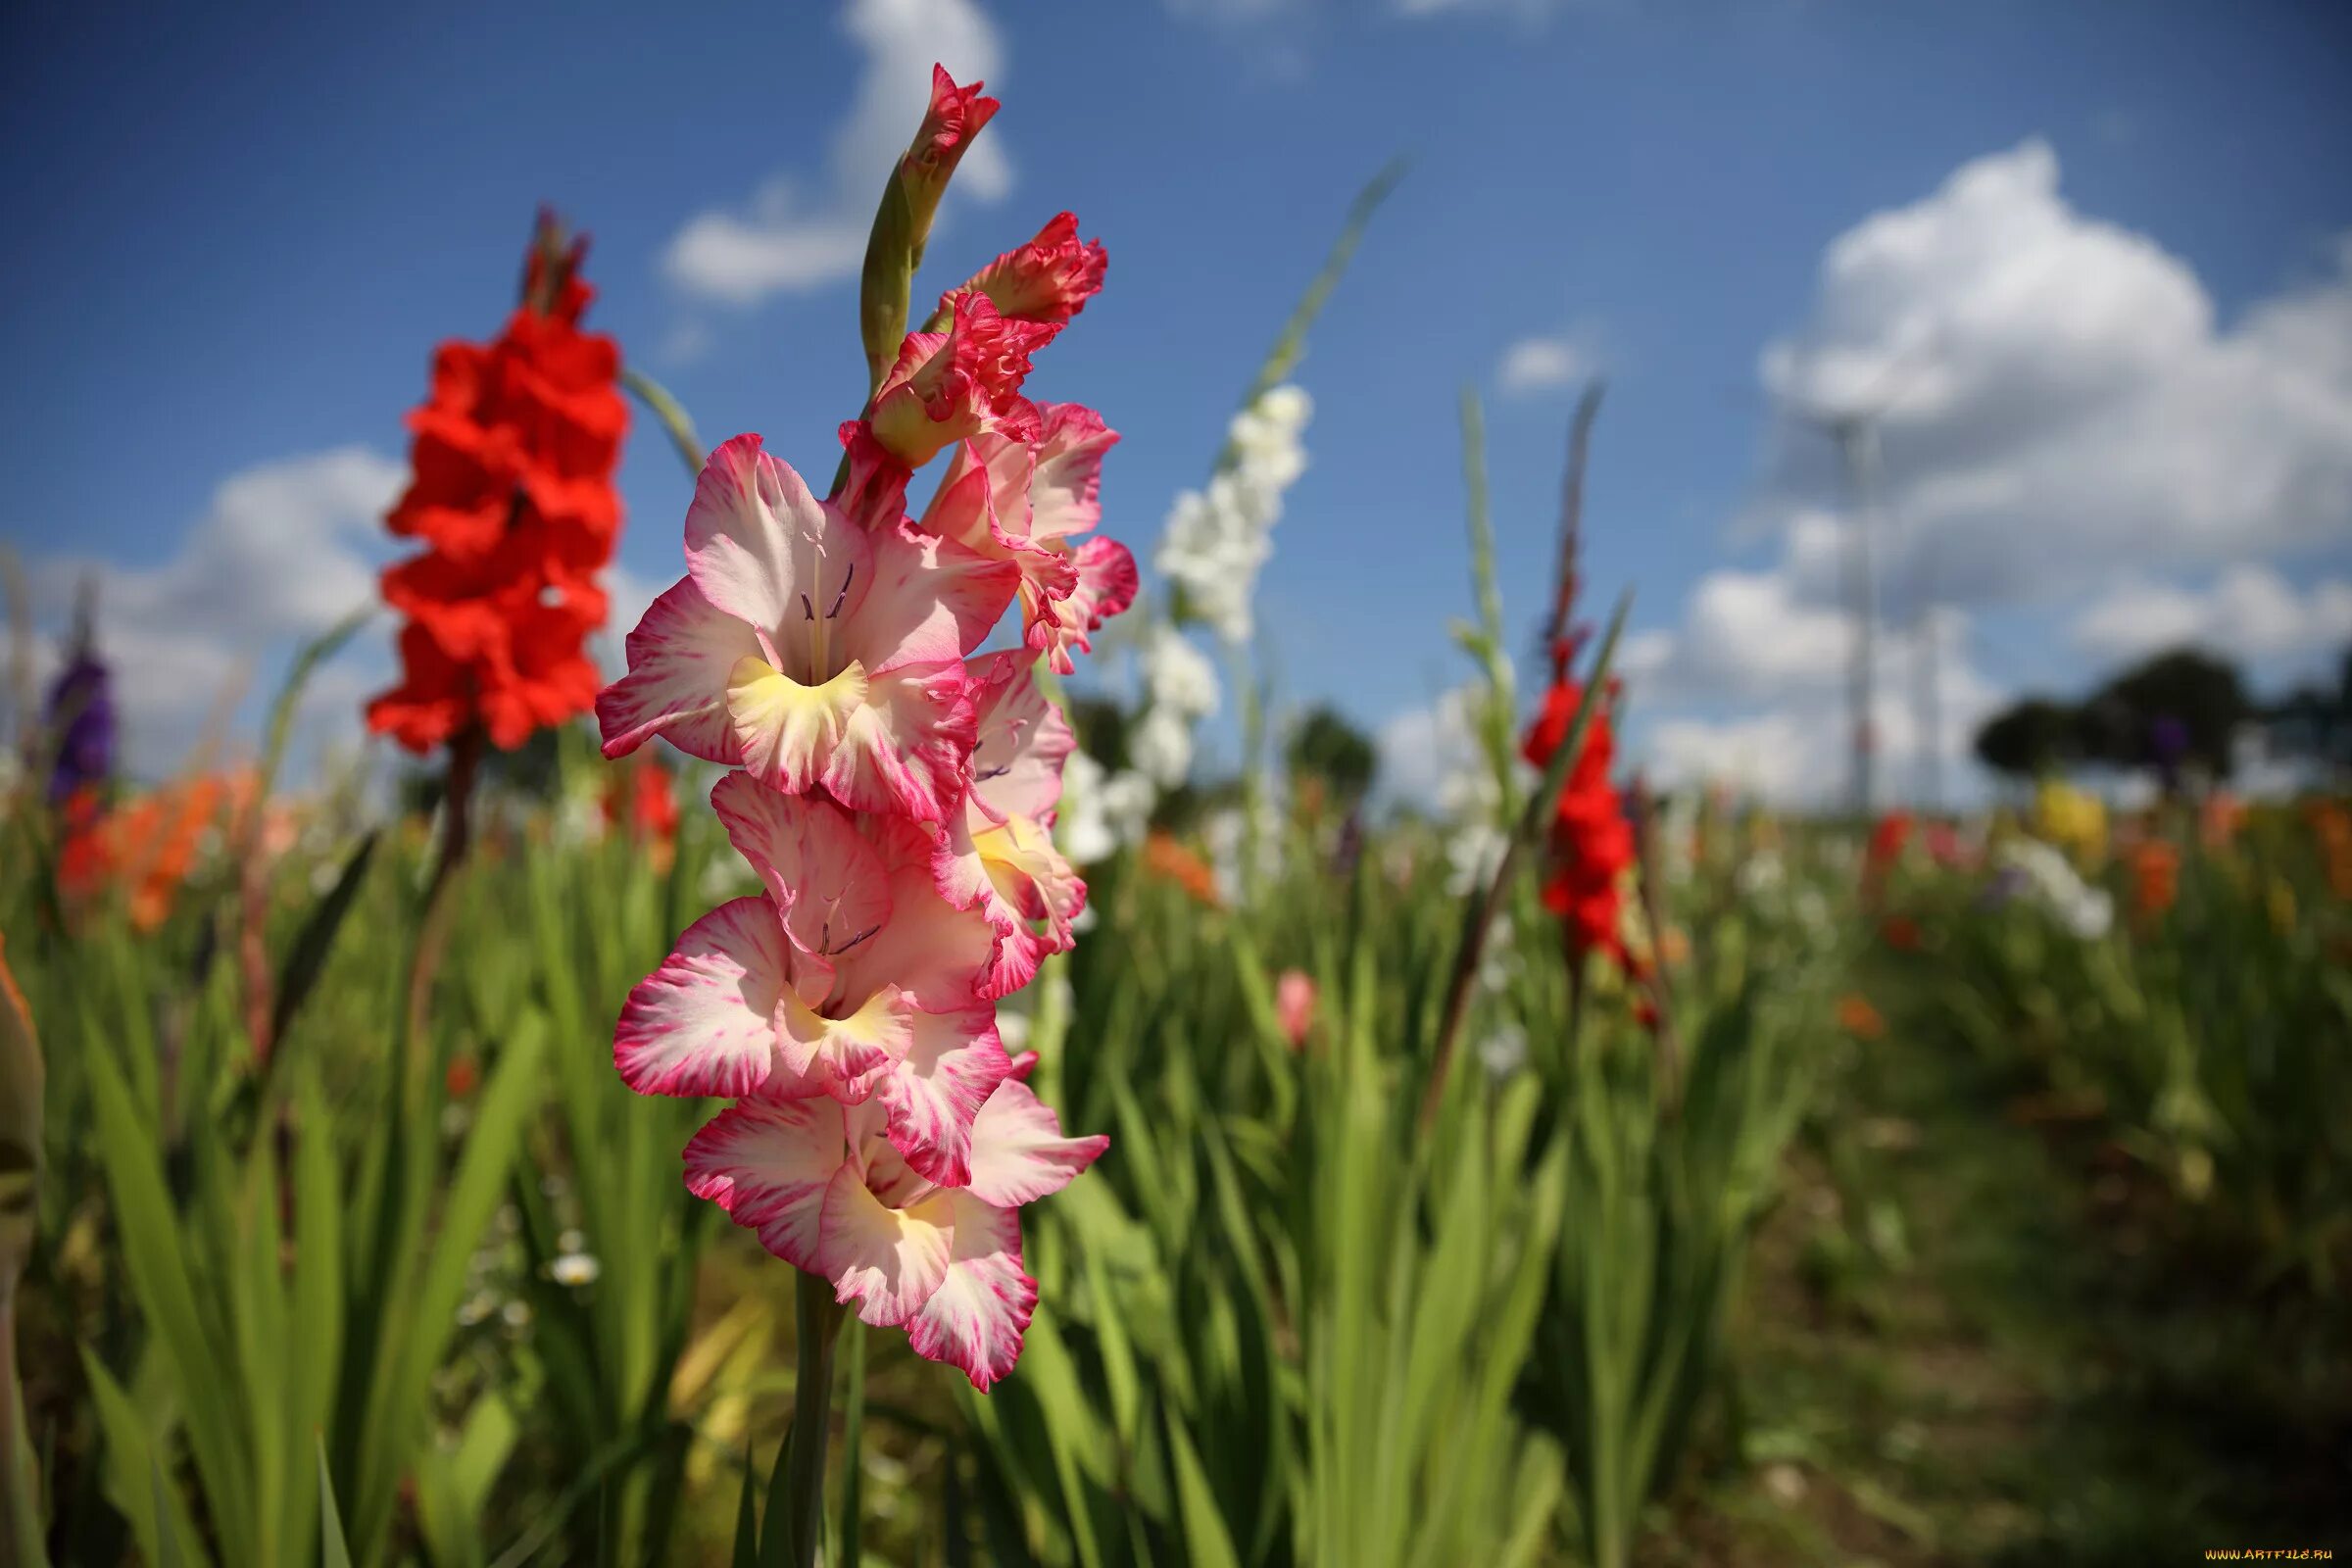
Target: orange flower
x: 2219, y: 817
x: 1857, y: 1018
x: 148, y: 846
x: 2332, y: 825
x: 1167, y: 859
x: 2155, y: 877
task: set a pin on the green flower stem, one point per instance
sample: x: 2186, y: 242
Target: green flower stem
x: 804, y: 1501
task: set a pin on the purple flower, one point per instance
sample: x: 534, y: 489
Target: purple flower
x: 79, y: 717
x: 2167, y: 742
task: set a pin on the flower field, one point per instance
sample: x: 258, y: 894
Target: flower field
x: 823, y: 1074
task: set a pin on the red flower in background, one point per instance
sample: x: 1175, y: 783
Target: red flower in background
x: 1887, y: 839
x: 643, y: 799
x: 1591, y: 838
x: 512, y: 495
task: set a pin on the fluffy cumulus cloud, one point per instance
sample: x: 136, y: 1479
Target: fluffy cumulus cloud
x: 2058, y: 406
x: 1544, y: 364
x: 2250, y: 612
x: 801, y: 230
x: 1753, y: 689
x: 284, y: 551
x: 2057, y: 398
x: 1421, y: 748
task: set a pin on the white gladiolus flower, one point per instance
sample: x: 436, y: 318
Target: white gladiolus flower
x: 2087, y: 911
x: 1473, y: 854
x: 1162, y: 747
x: 1216, y: 540
x: 1179, y: 676
x: 1127, y: 801
x: 1085, y: 828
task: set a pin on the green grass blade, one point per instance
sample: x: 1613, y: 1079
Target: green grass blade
x: 334, y: 1550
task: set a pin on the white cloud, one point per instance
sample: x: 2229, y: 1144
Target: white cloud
x: 2057, y: 394
x: 1421, y: 747
x: 2053, y: 394
x: 1542, y: 364
x: 798, y: 234
x: 1795, y: 749
x: 284, y: 551
x: 1749, y: 644
x: 1777, y: 756
x: 2250, y: 612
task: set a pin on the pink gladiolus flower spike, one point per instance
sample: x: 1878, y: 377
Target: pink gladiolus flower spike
x: 829, y: 1192
x: 807, y: 649
x: 1024, y: 503
x: 956, y: 383
x: 998, y: 857
x: 850, y: 977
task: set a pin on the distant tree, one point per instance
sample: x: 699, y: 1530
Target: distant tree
x: 2183, y: 707
x: 1325, y: 747
x: 2030, y: 737
x: 1102, y: 727
x: 2314, y: 720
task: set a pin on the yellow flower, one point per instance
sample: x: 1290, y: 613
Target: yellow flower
x: 2073, y: 820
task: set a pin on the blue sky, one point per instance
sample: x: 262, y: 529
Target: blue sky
x: 235, y: 240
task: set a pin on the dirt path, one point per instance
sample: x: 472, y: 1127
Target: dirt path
x: 1979, y: 1335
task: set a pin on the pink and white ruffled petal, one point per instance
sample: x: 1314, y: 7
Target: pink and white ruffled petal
x: 905, y: 748
x: 822, y: 871
x: 956, y: 1063
x: 1107, y: 580
x: 764, y: 550
x: 964, y: 879
x: 1011, y: 875
x: 704, y: 1022
x: 939, y: 952
x: 976, y: 1316
x: 846, y: 1057
x: 888, y: 1260
x: 1021, y: 739
x: 1065, y: 491
x: 768, y: 1164
x: 1018, y: 1151
x: 680, y: 656
x: 1106, y: 584
x: 960, y: 508
x: 931, y: 599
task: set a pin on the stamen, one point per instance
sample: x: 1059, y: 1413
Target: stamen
x: 843, y: 597
x: 835, y: 952
x: 993, y: 772
x: 808, y: 610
